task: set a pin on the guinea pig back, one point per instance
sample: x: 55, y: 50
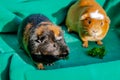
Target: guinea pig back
x: 89, y: 20
x: 42, y: 40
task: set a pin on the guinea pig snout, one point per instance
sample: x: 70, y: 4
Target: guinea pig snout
x: 64, y: 52
x: 94, y: 31
x: 63, y: 55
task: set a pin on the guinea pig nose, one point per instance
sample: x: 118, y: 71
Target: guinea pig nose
x: 63, y: 55
x: 65, y: 50
x: 95, y: 31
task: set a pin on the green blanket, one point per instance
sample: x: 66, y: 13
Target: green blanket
x: 16, y: 65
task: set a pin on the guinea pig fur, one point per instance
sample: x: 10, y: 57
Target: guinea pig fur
x: 89, y: 20
x: 42, y: 40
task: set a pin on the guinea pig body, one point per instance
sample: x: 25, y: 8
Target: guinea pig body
x: 89, y: 20
x: 42, y: 40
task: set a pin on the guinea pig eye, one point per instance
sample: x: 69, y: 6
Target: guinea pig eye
x: 54, y: 45
x: 89, y: 22
x: 101, y: 23
x: 40, y: 39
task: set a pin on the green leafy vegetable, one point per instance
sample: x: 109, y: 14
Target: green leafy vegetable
x: 97, y: 51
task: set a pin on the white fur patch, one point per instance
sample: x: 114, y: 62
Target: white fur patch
x: 59, y: 38
x: 96, y: 15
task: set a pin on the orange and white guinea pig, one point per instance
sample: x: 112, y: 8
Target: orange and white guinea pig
x: 89, y: 20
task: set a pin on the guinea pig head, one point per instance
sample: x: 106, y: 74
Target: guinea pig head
x: 48, y: 40
x: 94, y: 24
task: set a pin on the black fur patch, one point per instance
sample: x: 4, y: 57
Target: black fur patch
x: 44, y: 59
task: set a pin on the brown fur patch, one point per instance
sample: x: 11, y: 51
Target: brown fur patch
x: 40, y: 30
x: 26, y: 32
x: 51, y: 27
x: 55, y: 29
x: 26, y: 35
x: 91, y: 3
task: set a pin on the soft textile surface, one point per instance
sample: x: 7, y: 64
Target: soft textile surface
x: 16, y: 65
x: 13, y: 11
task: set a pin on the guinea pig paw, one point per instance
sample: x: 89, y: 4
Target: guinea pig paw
x: 99, y: 42
x: 40, y: 66
x: 85, y: 44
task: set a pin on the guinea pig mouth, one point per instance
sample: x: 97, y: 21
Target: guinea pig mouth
x: 62, y: 56
x: 57, y: 57
x: 95, y: 35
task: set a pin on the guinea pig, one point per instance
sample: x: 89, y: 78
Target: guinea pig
x: 42, y: 40
x: 89, y: 20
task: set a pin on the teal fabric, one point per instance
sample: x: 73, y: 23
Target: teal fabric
x: 8, y: 20
x: 103, y: 71
x: 16, y: 65
x: 5, y: 60
x: 13, y: 11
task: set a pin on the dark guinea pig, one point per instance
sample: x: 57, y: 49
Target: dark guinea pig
x: 42, y: 40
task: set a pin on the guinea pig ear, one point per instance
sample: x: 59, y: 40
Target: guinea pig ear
x: 84, y: 16
x: 107, y: 19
